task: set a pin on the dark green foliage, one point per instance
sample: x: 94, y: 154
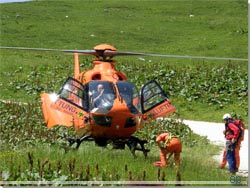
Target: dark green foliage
x: 23, y: 125
x: 214, y: 85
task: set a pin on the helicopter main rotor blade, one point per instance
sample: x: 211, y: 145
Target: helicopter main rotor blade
x: 87, y: 52
x: 196, y: 57
x: 110, y: 53
x: 105, y: 53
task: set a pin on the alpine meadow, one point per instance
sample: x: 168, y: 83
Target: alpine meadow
x: 200, y: 88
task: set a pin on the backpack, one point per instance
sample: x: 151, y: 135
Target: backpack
x: 241, y: 126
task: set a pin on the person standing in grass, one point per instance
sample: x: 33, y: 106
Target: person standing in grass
x: 231, y: 134
x: 169, y: 145
x: 239, y: 123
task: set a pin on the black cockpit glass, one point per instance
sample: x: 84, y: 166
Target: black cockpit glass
x: 130, y: 95
x: 101, y: 95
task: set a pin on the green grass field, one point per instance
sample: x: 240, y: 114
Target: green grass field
x: 200, y: 89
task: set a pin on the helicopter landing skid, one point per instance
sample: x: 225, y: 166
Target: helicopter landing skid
x: 78, y: 141
x: 133, y: 142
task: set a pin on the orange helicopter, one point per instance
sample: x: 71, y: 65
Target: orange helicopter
x: 101, y: 104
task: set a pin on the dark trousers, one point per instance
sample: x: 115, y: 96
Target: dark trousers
x: 230, y: 155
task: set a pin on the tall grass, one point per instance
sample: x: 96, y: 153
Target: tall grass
x: 94, y: 163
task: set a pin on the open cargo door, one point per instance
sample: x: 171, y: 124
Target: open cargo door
x: 67, y: 108
x: 154, y: 101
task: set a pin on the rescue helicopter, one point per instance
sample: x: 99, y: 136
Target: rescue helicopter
x: 101, y: 104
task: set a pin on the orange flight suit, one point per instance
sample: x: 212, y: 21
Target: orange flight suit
x: 171, y: 145
x: 237, y: 151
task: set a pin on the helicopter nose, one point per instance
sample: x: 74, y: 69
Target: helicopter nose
x: 119, y: 122
x: 117, y: 127
x: 123, y: 119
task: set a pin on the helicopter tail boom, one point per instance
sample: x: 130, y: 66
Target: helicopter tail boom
x: 76, y: 65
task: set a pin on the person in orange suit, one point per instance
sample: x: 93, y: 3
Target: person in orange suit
x: 168, y: 145
x: 223, y: 163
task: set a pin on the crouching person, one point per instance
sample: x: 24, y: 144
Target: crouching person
x: 168, y: 145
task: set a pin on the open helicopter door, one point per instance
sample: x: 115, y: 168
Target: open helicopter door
x: 154, y: 101
x: 68, y: 108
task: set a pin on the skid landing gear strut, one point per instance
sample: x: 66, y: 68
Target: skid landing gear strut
x: 133, y: 142
x: 78, y: 141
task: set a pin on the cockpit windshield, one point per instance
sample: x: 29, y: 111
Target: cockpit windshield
x: 99, y: 96
x: 130, y: 95
x: 102, y: 95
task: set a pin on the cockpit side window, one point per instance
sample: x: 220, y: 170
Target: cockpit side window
x: 102, y: 94
x: 130, y: 95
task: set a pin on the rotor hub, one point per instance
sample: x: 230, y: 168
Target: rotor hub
x: 103, y: 47
x: 104, y: 51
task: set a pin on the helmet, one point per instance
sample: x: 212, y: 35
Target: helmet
x: 227, y: 116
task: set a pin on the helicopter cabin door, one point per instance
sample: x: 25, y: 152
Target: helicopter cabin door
x: 69, y: 107
x: 154, y: 101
